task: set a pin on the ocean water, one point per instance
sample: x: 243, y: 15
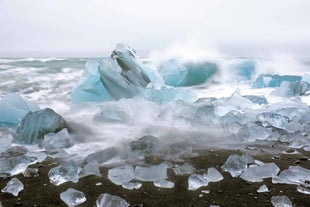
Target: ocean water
x: 49, y: 81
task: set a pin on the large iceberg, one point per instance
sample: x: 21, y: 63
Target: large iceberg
x: 36, y: 124
x: 187, y: 74
x: 13, y: 108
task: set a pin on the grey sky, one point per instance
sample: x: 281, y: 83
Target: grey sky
x: 91, y: 27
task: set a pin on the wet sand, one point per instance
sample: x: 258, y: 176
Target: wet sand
x: 229, y: 192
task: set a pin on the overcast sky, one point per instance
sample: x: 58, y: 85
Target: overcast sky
x: 92, y: 27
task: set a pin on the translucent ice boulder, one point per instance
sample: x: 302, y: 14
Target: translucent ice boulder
x: 152, y: 173
x: 14, y: 186
x: 281, y: 201
x: 108, y: 200
x: 90, y: 87
x: 184, y: 169
x: 290, y: 89
x: 268, y: 80
x: 293, y: 175
x: 196, y: 181
x: 61, y: 139
x: 121, y: 175
x: 236, y: 164
x: 213, y: 175
x: 72, y: 197
x: 65, y: 172
x: 240, y: 68
x: 101, y: 156
x: 13, y: 108
x: 258, y: 173
x: 270, y: 119
x: 36, y: 124
x: 187, y: 74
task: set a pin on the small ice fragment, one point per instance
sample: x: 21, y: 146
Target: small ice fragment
x: 152, y: 173
x: 205, y: 191
x: 184, y: 169
x: 107, y: 200
x: 61, y: 139
x: 63, y: 173
x: 303, y: 190
x: 268, y: 119
x: 131, y: 185
x: 91, y: 168
x: 14, y: 186
x: 213, y: 175
x: 196, y: 181
x: 120, y: 175
x: 164, y: 184
x: 31, y: 172
x: 258, y: 173
x: 263, y: 189
x: 281, y: 201
x: 72, y: 197
x: 236, y: 164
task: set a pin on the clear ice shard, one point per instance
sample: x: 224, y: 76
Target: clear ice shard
x: 121, y: 175
x: 14, y: 186
x: 108, y: 200
x: 61, y: 139
x: 294, y: 175
x: 15, y: 164
x: 269, y: 119
x: 36, y: 124
x: 152, y: 173
x: 290, y: 89
x: 268, y: 80
x: 196, y: 181
x: 303, y: 189
x: 91, y: 168
x: 72, y: 197
x: 258, y: 173
x: 213, y: 175
x: 90, y: 87
x: 101, y: 156
x: 63, y: 173
x: 184, y: 169
x: 13, y: 108
x: 236, y: 164
x: 163, y: 184
x: 281, y: 201
x: 263, y: 189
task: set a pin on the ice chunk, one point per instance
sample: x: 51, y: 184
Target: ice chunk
x: 189, y: 74
x: 152, y: 173
x: 91, y: 168
x: 304, y: 190
x: 61, y: 139
x: 293, y: 175
x: 164, y: 184
x: 263, y: 189
x: 173, y: 72
x: 65, y: 172
x: 236, y: 164
x: 289, y: 89
x: 268, y: 80
x: 120, y: 175
x: 269, y: 119
x: 31, y: 172
x: 90, y: 87
x: 14, y: 186
x: 233, y: 121
x: 196, y: 181
x: 184, y: 169
x: 252, y: 132
x: 213, y: 175
x: 258, y: 173
x: 131, y: 185
x: 145, y: 144
x: 36, y: 124
x: 101, y: 156
x: 257, y: 99
x: 113, y: 114
x: 281, y: 201
x: 13, y: 165
x: 13, y: 108
x: 107, y: 200
x: 72, y: 197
